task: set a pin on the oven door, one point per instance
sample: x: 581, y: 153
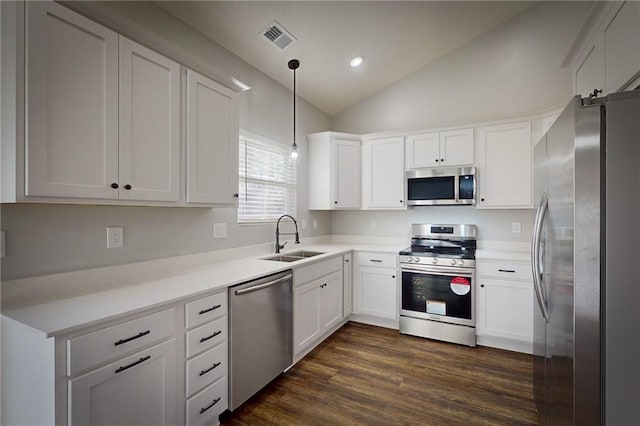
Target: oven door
x: 438, y: 293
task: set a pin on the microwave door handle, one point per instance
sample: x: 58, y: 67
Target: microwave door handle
x: 456, y: 187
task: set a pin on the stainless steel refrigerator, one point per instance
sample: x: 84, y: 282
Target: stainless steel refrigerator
x: 586, y: 264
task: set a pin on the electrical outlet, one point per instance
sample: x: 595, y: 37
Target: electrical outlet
x: 315, y: 223
x: 516, y: 227
x: 219, y: 230
x: 373, y: 224
x: 3, y: 244
x: 115, y: 236
x: 304, y: 224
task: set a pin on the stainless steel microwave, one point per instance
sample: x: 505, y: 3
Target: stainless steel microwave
x: 441, y: 186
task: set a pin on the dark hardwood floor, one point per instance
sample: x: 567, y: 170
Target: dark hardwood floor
x: 375, y: 376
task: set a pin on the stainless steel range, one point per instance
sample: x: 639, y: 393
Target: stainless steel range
x: 438, y: 279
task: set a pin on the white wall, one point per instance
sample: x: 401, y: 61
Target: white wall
x: 513, y: 70
x: 54, y: 238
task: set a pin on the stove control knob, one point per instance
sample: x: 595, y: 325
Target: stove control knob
x: 434, y: 260
x: 409, y: 259
x: 460, y: 262
x: 453, y: 262
x: 416, y: 259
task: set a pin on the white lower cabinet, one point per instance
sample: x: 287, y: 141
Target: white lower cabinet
x: 318, y: 303
x: 505, y: 305
x: 206, y: 406
x: 138, y: 389
x: 375, y: 289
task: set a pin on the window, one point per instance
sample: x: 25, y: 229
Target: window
x: 267, y: 180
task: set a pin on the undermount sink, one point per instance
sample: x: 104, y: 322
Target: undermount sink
x: 292, y: 257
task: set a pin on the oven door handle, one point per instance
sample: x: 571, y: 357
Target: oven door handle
x: 440, y: 270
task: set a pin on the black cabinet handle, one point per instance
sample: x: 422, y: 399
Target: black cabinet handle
x: 204, y: 339
x: 236, y: 195
x: 127, y: 187
x: 215, y: 401
x: 401, y: 201
x: 437, y: 160
x: 375, y: 260
x: 133, y: 364
x: 346, y: 260
x: 213, y: 308
x: 511, y: 271
x: 482, y: 285
x: 203, y: 372
x: 481, y: 199
x: 442, y: 160
x: 128, y: 339
x: 393, y: 276
x: 115, y: 185
x: 335, y: 202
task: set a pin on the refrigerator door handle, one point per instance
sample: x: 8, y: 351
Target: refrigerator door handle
x: 535, y: 256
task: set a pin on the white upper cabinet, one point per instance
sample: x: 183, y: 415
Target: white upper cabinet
x: 383, y: 173
x: 437, y: 149
x: 212, y: 141
x: 622, y: 46
x: 149, y: 148
x: 609, y: 60
x: 334, y: 171
x: 103, y: 113
x: 72, y: 105
x: 504, y: 166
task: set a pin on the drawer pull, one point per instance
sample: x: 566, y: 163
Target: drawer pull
x: 204, y: 339
x: 375, y: 260
x: 511, y: 271
x: 137, y: 336
x: 133, y: 364
x: 203, y: 372
x: 205, y: 409
x: 213, y: 308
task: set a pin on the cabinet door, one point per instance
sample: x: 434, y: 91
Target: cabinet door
x: 589, y: 74
x: 383, y: 173
x: 345, y: 164
x: 376, y: 292
x: 347, y: 280
x: 139, y: 389
x: 456, y: 147
x: 72, y: 105
x: 149, y: 155
x: 505, y: 309
x: 504, y: 166
x: 212, y: 141
x: 331, y: 301
x: 622, y: 46
x: 423, y: 150
x: 306, y: 315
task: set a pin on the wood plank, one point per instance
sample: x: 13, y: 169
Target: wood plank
x: 366, y: 375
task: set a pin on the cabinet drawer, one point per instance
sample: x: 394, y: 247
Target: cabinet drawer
x: 317, y: 270
x: 385, y: 260
x: 207, y: 405
x: 206, y: 309
x: 206, y: 336
x: 206, y: 368
x: 505, y: 270
x: 94, y: 348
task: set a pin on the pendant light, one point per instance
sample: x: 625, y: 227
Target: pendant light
x: 294, y: 64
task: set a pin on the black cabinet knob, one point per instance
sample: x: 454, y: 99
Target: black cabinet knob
x: 236, y: 195
x: 401, y: 201
x: 127, y: 187
x: 437, y: 160
x: 482, y: 285
x: 335, y: 202
x: 393, y: 276
x: 481, y: 199
x: 114, y: 185
x: 441, y: 160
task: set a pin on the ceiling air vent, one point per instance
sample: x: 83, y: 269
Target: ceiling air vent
x: 277, y: 35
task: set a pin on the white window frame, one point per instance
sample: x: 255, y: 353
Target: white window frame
x: 242, y: 181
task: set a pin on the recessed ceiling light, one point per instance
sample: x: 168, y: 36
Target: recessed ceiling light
x: 356, y: 62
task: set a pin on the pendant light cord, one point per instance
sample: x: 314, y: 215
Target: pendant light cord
x: 294, y: 107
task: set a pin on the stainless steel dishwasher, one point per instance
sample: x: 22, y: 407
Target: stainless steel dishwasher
x: 261, y: 330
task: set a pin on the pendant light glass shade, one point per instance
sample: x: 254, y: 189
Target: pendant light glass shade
x: 294, y: 64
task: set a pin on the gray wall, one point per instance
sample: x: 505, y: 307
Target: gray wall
x: 513, y: 70
x: 54, y: 238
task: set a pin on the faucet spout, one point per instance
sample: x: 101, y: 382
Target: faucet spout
x: 278, y: 245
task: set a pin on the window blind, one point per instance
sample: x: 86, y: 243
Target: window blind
x: 267, y: 180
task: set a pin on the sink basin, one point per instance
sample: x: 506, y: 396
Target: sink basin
x: 304, y: 253
x: 292, y: 257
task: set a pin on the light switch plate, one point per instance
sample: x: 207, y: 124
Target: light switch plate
x: 220, y: 230
x: 304, y: 224
x: 315, y: 223
x: 115, y: 236
x: 516, y: 227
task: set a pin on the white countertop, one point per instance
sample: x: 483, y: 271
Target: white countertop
x: 130, y: 294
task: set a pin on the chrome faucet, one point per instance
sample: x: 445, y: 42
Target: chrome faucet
x: 278, y: 246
